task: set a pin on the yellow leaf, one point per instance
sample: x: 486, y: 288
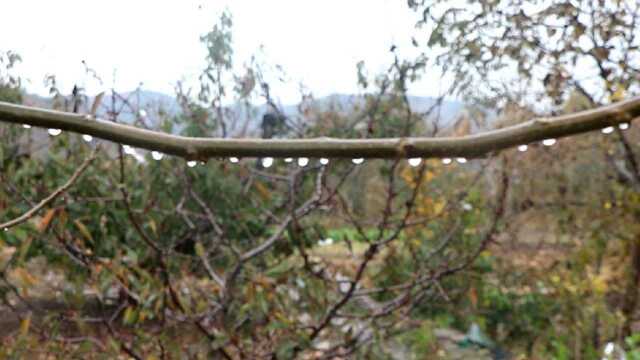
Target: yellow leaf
x: 24, y: 325
x: 83, y: 230
x: 199, y: 249
x: 154, y: 227
x: 599, y: 284
x: 62, y: 218
x: 262, y: 190
x: 618, y: 94
x: 129, y: 316
x: 25, y: 277
x: 438, y: 205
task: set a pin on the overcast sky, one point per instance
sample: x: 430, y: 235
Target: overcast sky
x: 157, y: 43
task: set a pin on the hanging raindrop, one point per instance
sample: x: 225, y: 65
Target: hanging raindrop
x: 192, y: 163
x: 234, y: 160
x: 461, y: 160
x: 87, y: 138
x: 446, y: 161
x: 267, y: 162
x: 54, y: 132
x: 142, y: 113
x: 522, y: 148
x: 324, y: 161
x: 288, y: 160
x: 608, y: 349
x: 607, y: 130
x: 303, y: 161
x: 128, y: 150
x: 548, y: 142
x: 26, y: 126
x: 357, y: 161
x: 415, y: 161
x: 156, y: 155
x: 623, y: 126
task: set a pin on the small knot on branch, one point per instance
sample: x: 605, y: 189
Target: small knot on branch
x: 404, y: 147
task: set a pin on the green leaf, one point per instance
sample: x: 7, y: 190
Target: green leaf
x: 281, y: 269
x: 286, y: 349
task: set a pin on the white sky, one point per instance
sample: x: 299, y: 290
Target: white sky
x: 157, y: 43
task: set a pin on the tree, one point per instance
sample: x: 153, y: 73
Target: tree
x: 206, y: 254
x: 552, y: 55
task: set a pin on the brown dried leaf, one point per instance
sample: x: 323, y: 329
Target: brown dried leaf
x: 46, y: 220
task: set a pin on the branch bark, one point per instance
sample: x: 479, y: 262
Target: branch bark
x: 471, y: 146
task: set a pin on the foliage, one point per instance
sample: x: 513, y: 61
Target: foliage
x: 9, y: 83
x: 537, y: 250
x: 554, y: 46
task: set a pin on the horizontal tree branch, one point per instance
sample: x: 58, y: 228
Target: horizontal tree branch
x: 193, y: 148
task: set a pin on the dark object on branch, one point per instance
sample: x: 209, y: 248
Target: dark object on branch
x: 272, y: 124
x: 76, y: 98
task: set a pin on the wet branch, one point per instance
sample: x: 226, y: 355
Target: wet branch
x: 470, y: 146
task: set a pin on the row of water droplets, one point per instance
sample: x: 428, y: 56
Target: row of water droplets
x: 303, y: 161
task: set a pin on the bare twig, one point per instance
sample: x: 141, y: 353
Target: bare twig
x: 49, y: 199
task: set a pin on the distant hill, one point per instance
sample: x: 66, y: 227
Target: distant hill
x: 154, y: 103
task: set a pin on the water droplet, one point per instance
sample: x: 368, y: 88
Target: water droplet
x: 288, y: 160
x: 461, y: 160
x: 234, y: 160
x: 128, y: 150
x: 54, y: 132
x: 303, y: 161
x: 357, y: 161
x: 522, y: 148
x: 192, y: 163
x: 267, y: 162
x: 142, y: 113
x: 623, y: 126
x: 6, y: 229
x: 26, y: 126
x: 548, y: 142
x: 607, y: 130
x: 156, y: 155
x: 87, y: 138
x: 608, y: 349
x: 415, y: 161
x: 325, y: 242
x: 324, y: 161
x: 446, y: 161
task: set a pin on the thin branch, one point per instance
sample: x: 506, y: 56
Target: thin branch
x: 49, y: 199
x: 470, y: 146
